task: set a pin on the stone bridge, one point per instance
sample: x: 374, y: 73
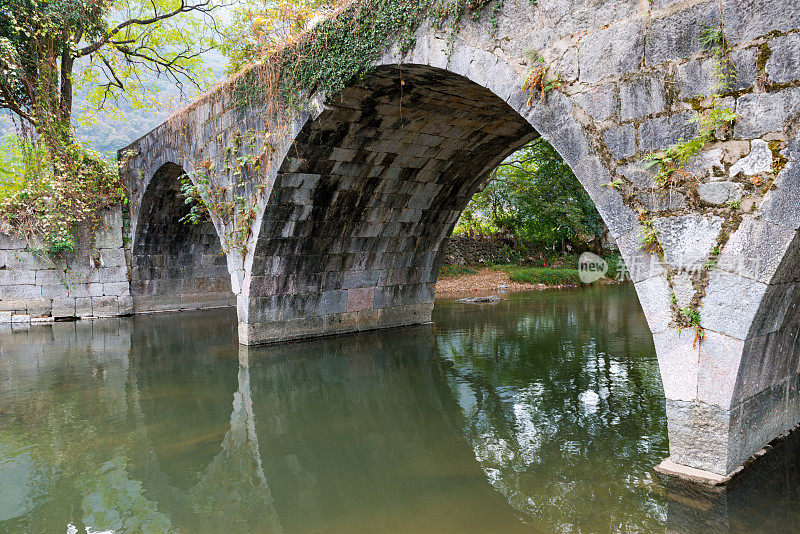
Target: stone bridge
x: 353, y: 206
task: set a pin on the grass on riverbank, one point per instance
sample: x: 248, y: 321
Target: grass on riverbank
x: 550, y: 276
x: 457, y: 271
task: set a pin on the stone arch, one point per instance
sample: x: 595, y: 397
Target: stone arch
x: 174, y: 265
x: 370, y: 190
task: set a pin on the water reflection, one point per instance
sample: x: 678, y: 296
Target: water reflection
x: 543, y: 413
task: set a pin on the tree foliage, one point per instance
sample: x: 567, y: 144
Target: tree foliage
x: 108, y: 47
x: 535, y: 197
x: 116, y: 41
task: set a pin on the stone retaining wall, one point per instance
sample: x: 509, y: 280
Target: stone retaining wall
x: 91, y: 282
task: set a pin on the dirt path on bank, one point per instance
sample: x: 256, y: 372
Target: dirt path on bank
x: 486, y: 280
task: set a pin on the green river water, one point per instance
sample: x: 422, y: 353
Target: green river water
x: 541, y: 413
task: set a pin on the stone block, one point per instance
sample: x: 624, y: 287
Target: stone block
x: 621, y: 141
x: 642, y: 96
x: 756, y: 249
x: 758, y: 161
x: 663, y: 132
x: 654, y: 297
x: 781, y: 205
x: 63, y: 307
x: 687, y: 240
x: 699, y: 436
x: 21, y: 292
x: 719, y: 193
x: 334, y: 301
x: 731, y: 304
x: 39, y: 306
x: 83, y: 306
x: 708, y: 163
x: 361, y: 298
x: 695, y: 78
x: 677, y: 35
x: 640, y: 265
x: 109, y: 233
x: 116, y: 289
x: 683, y: 289
x: 783, y: 65
x: 599, y: 102
x: 678, y: 363
x: 662, y: 200
x: 9, y: 277
x: 759, y: 114
x: 745, y: 20
x: 105, y: 306
x: 612, y: 51
x: 720, y: 357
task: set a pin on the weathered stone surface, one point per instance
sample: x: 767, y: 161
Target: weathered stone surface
x: 761, y: 113
x: 757, y: 162
x: 678, y: 362
x: 745, y: 20
x: 683, y: 289
x: 719, y: 193
x: 677, y: 35
x: 731, y: 304
x: 757, y: 249
x: 599, y: 102
x: 784, y: 64
x: 696, y: 78
x: 688, y: 239
x: 621, y: 141
x: 662, y: 132
x: 699, y: 435
x: 707, y: 164
x: 611, y: 52
x: 642, y: 96
x: 720, y: 357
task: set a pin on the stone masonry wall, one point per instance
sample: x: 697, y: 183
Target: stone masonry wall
x: 91, y: 282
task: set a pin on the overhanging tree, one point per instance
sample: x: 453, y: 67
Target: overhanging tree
x: 49, y: 46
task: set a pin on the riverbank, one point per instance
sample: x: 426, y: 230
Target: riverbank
x: 512, y: 278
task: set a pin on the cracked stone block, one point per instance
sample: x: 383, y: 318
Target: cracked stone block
x: 759, y: 160
x: 719, y: 193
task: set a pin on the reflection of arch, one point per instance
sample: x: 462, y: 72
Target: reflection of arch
x: 175, y: 265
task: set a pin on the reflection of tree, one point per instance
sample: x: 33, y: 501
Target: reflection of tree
x: 563, y: 406
x: 68, y: 421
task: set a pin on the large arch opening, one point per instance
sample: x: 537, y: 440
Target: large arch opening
x: 368, y: 195
x: 175, y: 265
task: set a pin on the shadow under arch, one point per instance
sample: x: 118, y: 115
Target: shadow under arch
x: 368, y: 194
x: 175, y: 265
